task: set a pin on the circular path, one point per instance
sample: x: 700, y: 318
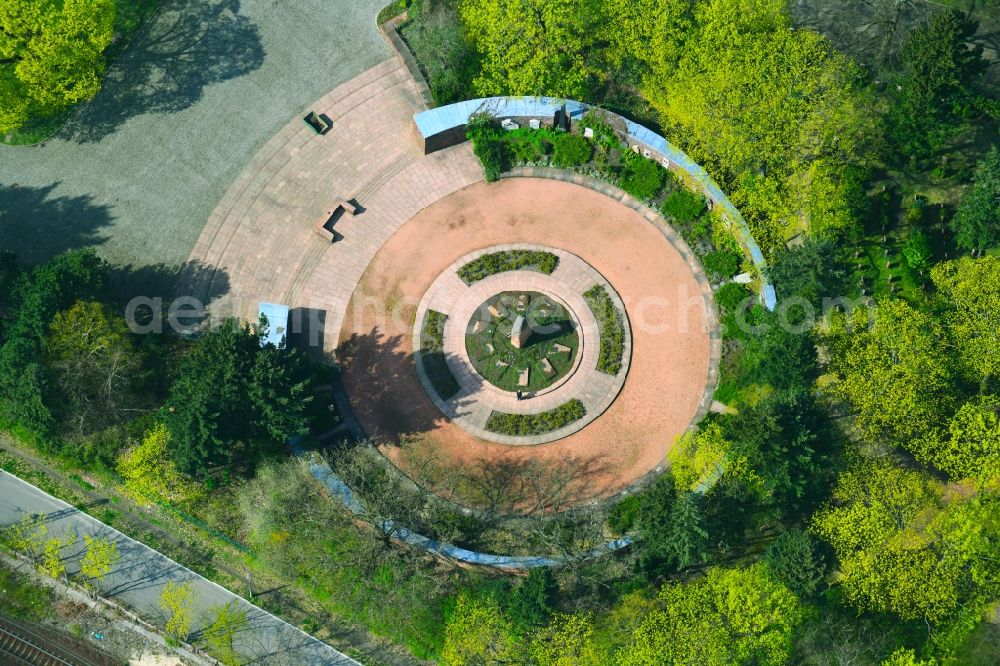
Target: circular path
x: 669, y: 308
x: 477, y: 399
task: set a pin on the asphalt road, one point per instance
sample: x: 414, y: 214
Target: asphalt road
x: 141, y: 574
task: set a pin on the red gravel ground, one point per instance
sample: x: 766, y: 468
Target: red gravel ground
x: 668, y: 316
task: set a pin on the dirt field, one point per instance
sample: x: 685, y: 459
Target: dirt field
x: 667, y: 312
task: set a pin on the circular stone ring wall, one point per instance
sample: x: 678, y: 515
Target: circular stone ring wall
x: 471, y: 407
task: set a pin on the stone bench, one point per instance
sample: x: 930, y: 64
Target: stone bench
x: 324, y: 225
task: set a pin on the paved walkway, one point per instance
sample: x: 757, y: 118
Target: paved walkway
x: 259, y: 240
x: 477, y: 399
x: 183, y: 110
x: 142, y: 573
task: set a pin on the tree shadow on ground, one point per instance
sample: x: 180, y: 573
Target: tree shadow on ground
x: 37, y: 226
x: 188, y: 46
x: 163, y: 281
x: 377, y: 370
x: 392, y: 406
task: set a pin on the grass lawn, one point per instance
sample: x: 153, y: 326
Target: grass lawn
x: 501, y: 364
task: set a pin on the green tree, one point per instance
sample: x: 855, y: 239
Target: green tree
x: 95, y: 366
x: 732, y: 616
x: 939, y: 65
x: 26, y: 536
x: 533, y: 47
x: 895, y: 371
x: 970, y: 290
x: 917, y: 251
x: 795, y: 560
x: 177, y: 605
x: 977, y: 222
x: 52, y: 563
x: 150, y: 474
x: 26, y: 394
x: 530, y: 603
x: 226, y: 621
x: 234, y: 401
x: 773, y: 113
x: 478, y: 632
x: 813, y: 270
x: 566, y: 641
x: 280, y: 393
x: 46, y: 289
x: 781, y: 449
x: 97, y: 562
x: 971, y: 448
x: 688, y: 538
x: 53, y: 54
x: 653, y: 526
x: 901, y: 550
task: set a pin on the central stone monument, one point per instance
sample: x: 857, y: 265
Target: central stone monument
x: 520, y: 332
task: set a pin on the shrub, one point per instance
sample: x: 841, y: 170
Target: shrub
x: 917, y: 251
x: 721, y: 265
x: 488, y: 145
x: 623, y: 515
x: 731, y: 295
x: 683, y: 205
x: 510, y: 260
x: 526, y: 425
x: 795, y: 560
x: 641, y: 177
x: 571, y: 150
x: 527, y: 145
x: 612, y: 323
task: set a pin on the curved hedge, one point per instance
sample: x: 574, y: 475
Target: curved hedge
x: 612, y: 325
x: 527, y: 425
x: 508, y: 260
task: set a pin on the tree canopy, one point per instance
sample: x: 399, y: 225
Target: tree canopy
x: 533, y: 47
x: 234, y: 400
x: 731, y: 616
x: 56, y: 48
x: 977, y: 222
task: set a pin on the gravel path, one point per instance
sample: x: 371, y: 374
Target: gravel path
x: 207, y: 82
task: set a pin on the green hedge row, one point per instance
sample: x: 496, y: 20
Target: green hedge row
x: 612, y: 324
x: 432, y: 353
x: 526, y: 425
x: 509, y: 260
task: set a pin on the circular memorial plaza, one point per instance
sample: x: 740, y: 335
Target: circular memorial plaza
x: 616, y: 322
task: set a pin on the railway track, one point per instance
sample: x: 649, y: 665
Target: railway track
x: 21, y: 646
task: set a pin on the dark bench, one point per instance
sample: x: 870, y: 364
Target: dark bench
x: 320, y: 123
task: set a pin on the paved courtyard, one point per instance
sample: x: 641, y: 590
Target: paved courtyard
x: 477, y: 398
x: 139, y: 170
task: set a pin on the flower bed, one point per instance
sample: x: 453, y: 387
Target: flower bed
x: 527, y: 425
x: 511, y: 260
x: 612, y: 325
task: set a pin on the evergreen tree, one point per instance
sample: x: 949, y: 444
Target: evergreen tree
x: 977, y: 222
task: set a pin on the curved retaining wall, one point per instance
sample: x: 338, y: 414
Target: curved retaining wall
x: 445, y: 126
x: 325, y: 475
